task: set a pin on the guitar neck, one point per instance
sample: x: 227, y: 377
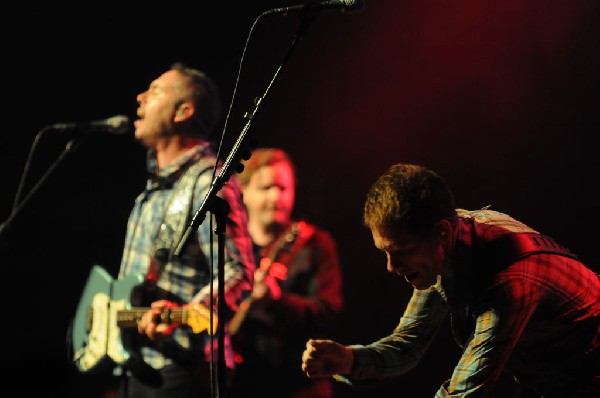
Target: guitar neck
x: 130, y: 317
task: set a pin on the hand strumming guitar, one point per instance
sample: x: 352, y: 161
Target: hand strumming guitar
x: 265, y: 283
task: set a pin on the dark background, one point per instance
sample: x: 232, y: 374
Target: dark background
x: 500, y: 97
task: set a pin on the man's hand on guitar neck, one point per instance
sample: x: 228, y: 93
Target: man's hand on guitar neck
x: 156, y: 322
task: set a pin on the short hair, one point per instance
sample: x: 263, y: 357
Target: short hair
x: 264, y: 157
x: 206, y: 98
x: 410, y: 197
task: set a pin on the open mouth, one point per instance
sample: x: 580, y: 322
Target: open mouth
x: 411, y: 277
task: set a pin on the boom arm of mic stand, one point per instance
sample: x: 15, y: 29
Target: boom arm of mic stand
x: 216, y: 205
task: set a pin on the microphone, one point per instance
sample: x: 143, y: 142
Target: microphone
x: 113, y: 125
x: 342, y: 5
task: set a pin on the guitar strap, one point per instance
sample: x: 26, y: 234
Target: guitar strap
x: 510, y: 248
x: 177, y: 217
x: 294, y: 240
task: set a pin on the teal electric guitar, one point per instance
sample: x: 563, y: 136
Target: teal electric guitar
x: 105, y: 309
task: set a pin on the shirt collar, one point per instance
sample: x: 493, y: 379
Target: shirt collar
x: 165, y: 177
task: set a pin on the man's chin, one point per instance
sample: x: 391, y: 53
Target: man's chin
x: 418, y: 281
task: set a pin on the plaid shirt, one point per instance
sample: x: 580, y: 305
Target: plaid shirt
x: 187, y: 278
x: 538, y: 319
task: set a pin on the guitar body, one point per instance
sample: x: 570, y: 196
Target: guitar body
x: 96, y: 338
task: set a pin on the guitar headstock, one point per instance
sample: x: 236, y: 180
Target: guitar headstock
x: 197, y: 316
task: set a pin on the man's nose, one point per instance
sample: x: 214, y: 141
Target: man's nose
x: 140, y: 97
x: 392, y: 265
x: 274, y: 193
x: 397, y: 266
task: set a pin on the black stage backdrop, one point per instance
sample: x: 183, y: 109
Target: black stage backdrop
x: 501, y: 98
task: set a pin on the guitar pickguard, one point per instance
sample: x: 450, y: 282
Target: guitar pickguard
x: 115, y: 349
x: 93, y: 353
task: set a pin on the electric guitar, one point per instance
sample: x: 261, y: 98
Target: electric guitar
x: 105, y: 308
x: 274, y: 261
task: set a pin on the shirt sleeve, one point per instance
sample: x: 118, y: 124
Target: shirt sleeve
x: 498, y: 326
x: 400, y: 352
x: 239, y: 262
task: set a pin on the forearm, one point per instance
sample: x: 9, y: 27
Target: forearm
x: 402, y: 350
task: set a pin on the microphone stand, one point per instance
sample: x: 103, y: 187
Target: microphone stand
x: 219, y: 207
x: 70, y: 147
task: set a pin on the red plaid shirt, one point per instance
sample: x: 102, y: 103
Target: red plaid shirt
x: 538, y: 319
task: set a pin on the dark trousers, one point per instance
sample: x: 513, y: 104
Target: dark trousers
x: 174, y: 382
x: 575, y: 390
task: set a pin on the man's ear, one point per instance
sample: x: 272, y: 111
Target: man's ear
x: 184, y: 111
x: 442, y: 230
